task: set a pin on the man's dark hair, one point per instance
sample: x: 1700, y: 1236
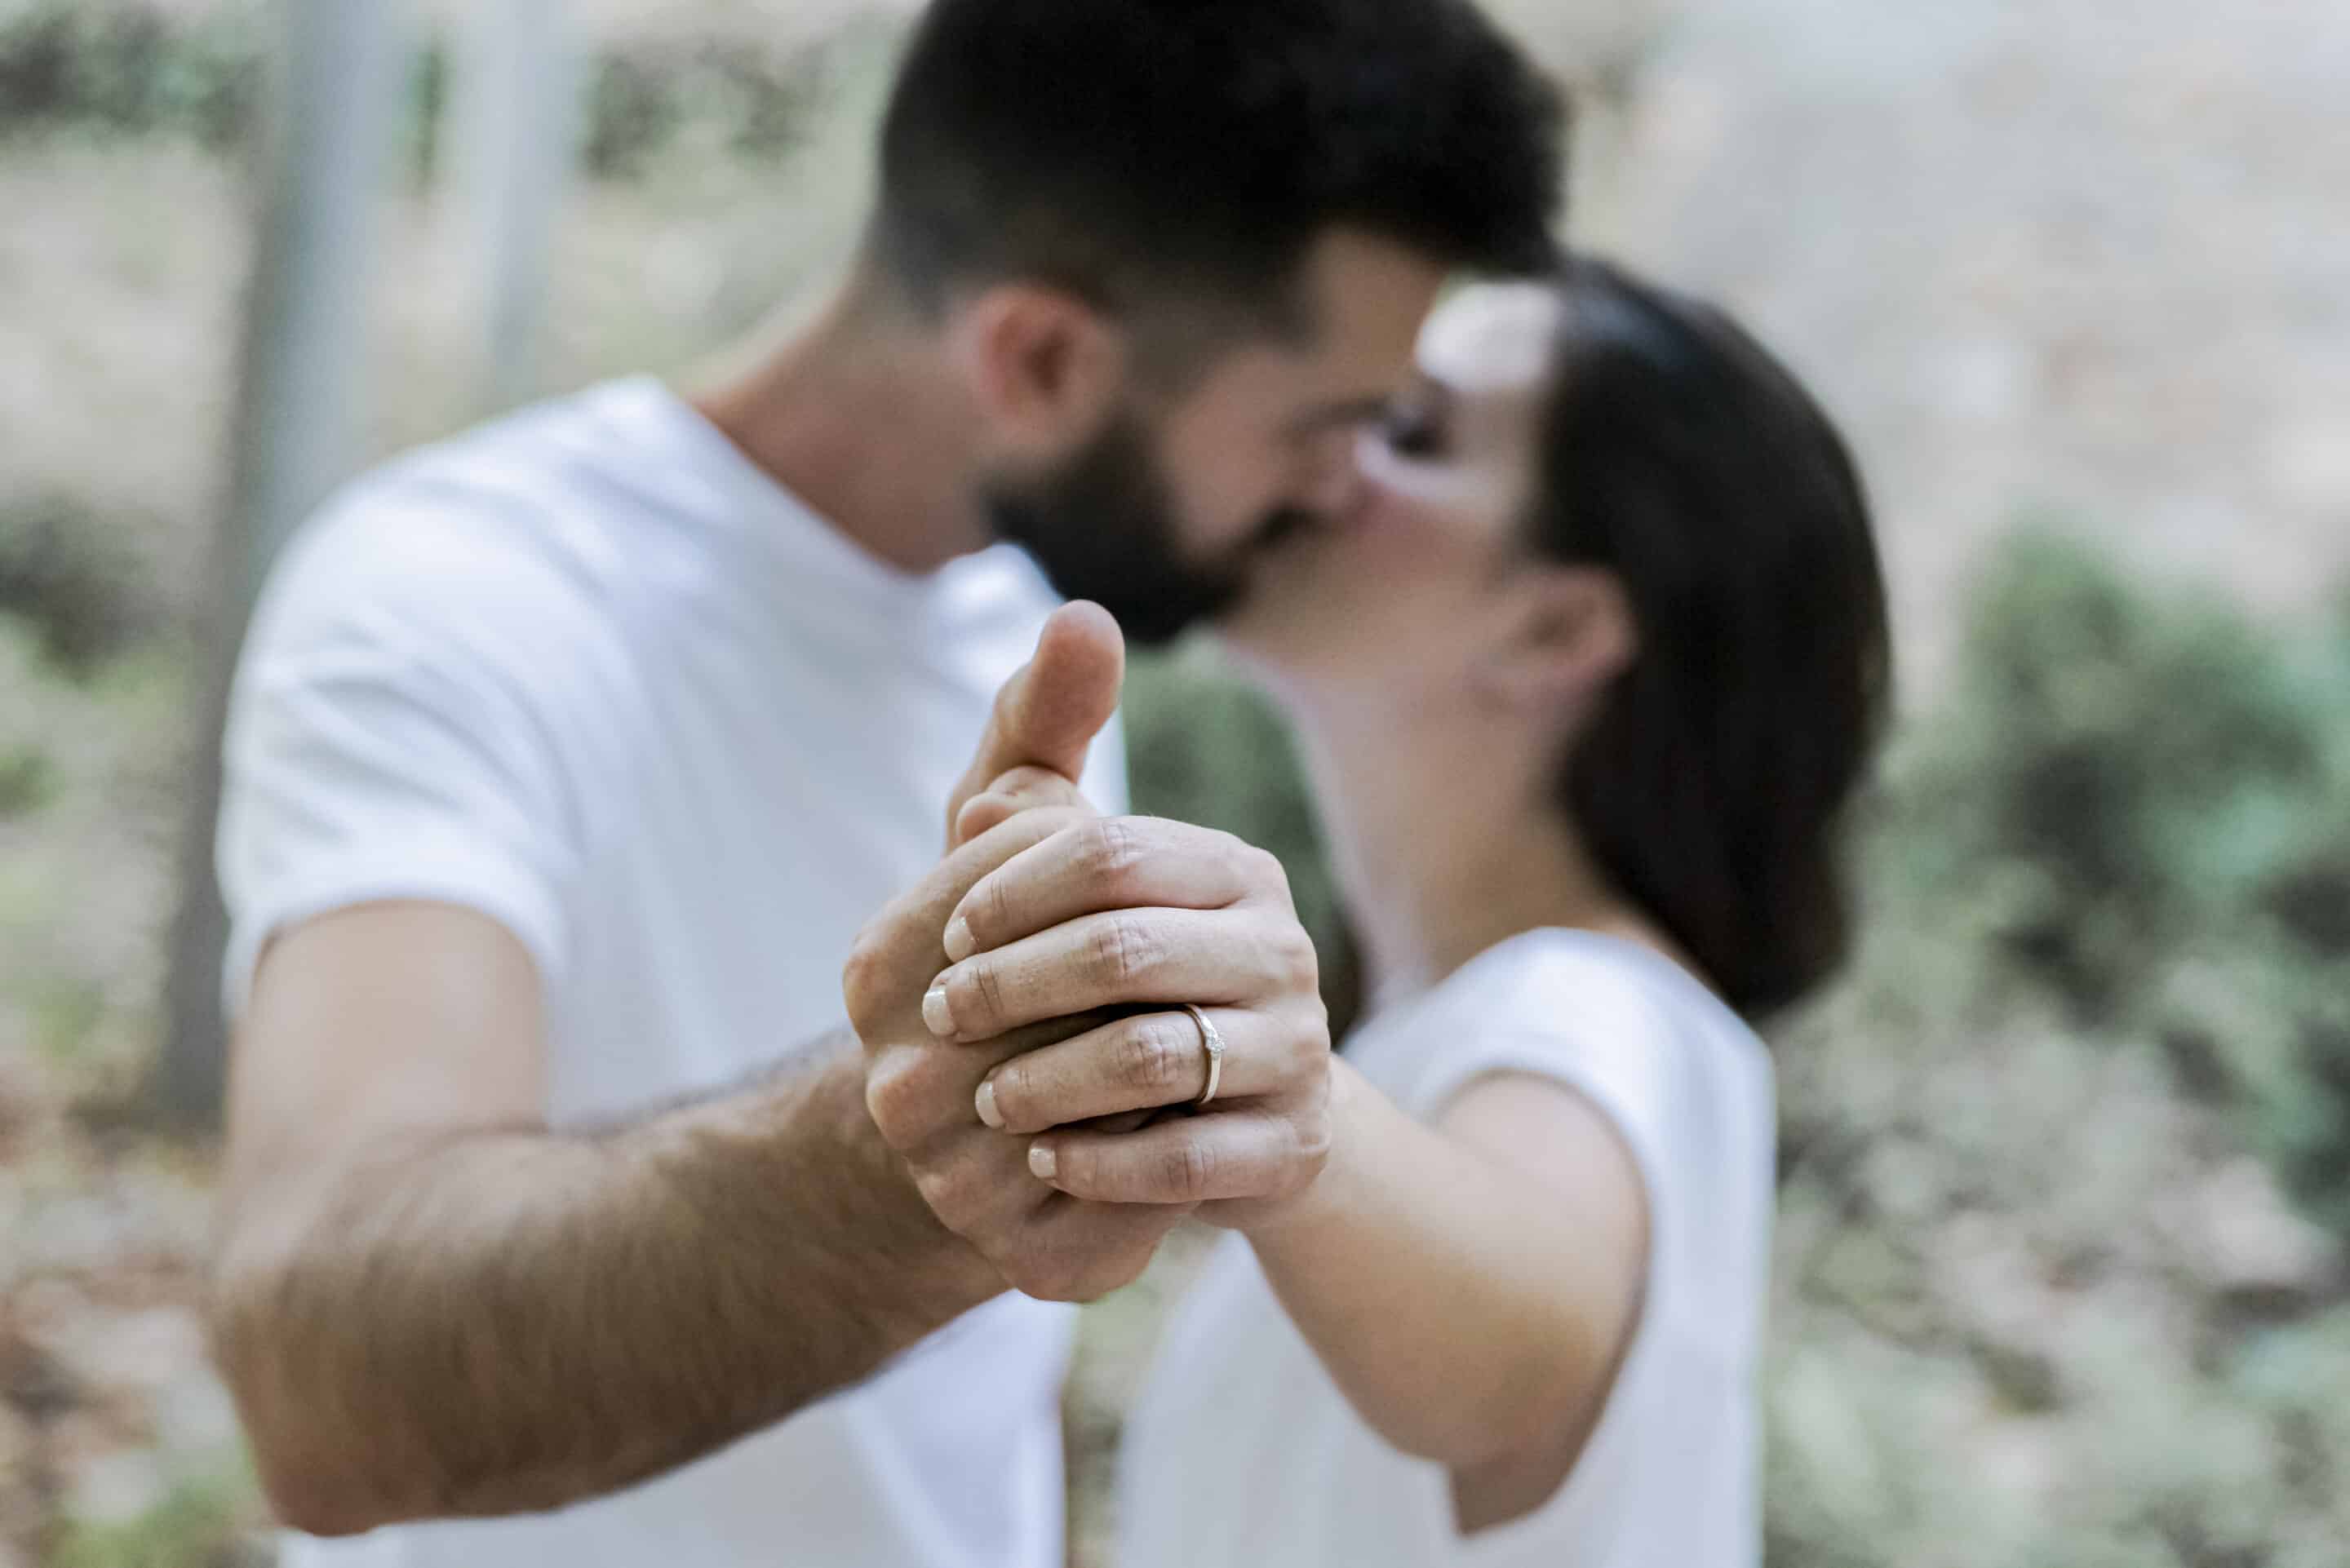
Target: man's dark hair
x: 1147, y: 152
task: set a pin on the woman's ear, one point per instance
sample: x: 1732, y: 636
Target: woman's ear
x: 1044, y: 368
x: 1565, y: 634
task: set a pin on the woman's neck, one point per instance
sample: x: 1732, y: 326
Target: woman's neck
x: 1447, y: 838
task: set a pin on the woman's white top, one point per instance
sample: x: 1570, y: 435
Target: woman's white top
x: 1243, y: 1450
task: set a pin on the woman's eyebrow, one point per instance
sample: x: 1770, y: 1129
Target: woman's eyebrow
x: 1353, y: 412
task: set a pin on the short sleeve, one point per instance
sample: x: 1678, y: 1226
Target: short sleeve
x: 383, y: 742
x: 1552, y: 1007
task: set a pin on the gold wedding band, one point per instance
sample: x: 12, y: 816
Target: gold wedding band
x: 1215, y: 1044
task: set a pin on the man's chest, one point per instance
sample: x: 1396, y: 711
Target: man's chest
x: 724, y: 887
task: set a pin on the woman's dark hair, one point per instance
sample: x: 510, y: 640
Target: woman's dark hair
x: 1711, y: 786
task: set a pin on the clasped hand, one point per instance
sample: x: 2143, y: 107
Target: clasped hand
x: 1022, y: 1009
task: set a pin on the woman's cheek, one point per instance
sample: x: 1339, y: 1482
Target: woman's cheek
x: 1431, y: 487
x: 1405, y: 533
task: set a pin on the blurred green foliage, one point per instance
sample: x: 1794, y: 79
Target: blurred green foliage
x: 198, y: 1523
x: 28, y: 780
x: 73, y: 577
x: 1203, y: 747
x: 132, y: 67
x: 756, y: 105
x: 2138, y: 808
x: 2044, y: 1295
x: 130, y: 70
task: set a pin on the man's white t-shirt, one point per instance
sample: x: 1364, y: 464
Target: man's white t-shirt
x: 591, y: 672
x: 1243, y: 1450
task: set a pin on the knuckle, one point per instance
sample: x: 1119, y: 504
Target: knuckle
x: 861, y: 980
x: 1060, y: 1283
x: 1266, y: 876
x: 1113, y: 1274
x: 1109, y: 853
x: 1304, y: 1067
x: 1122, y: 951
x: 1310, y: 1135
x: 1307, y: 1047
x: 1090, y: 1286
x: 1255, y: 867
x: 1186, y: 1169
x: 1036, y: 786
x: 981, y: 814
x: 893, y: 1099
x: 1046, y: 1276
x: 1273, y: 872
x: 953, y: 1196
x: 1302, y: 951
x: 1129, y: 1266
x: 912, y: 1093
x: 1294, y: 962
x: 1151, y: 1058
x: 1014, y: 782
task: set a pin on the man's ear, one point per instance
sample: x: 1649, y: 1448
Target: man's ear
x: 1044, y: 367
x: 1566, y: 632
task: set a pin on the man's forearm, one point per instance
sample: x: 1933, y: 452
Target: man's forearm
x: 496, y: 1323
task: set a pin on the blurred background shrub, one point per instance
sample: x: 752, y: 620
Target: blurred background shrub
x: 2063, y: 1202
x: 130, y: 70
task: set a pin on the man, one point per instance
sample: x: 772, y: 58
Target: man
x: 567, y: 758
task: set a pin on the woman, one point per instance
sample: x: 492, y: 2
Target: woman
x: 1584, y: 684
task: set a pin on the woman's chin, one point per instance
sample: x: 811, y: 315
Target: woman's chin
x: 1241, y: 644
x: 1277, y: 654
x: 1296, y: 620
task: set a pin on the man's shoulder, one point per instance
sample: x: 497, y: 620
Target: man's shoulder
x: 498, y: 531
x: 590, y: 443
x: 476, y: 575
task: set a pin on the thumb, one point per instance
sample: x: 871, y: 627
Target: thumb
x: 1049, y: 712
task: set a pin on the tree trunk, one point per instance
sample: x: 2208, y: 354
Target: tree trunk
x: 514, y: 123
x: 332, y: 114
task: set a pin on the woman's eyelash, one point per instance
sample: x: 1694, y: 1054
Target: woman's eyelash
x: 1413, y: 433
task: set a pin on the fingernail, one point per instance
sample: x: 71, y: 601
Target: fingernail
x: 1041, y: 1161
x: 936, y: 1014
x: 959, y: 944
x: 985, y: 1100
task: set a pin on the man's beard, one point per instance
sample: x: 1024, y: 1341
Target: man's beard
x: 1103, y: 528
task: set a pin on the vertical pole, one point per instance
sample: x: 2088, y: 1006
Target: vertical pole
x: 328, y: 127
x: 513, y: 124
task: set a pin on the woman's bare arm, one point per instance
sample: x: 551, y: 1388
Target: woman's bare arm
x: 1470, y: 1285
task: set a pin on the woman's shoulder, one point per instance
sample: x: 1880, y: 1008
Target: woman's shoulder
x: 1618, y: 1020
x: 1554, y: 977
